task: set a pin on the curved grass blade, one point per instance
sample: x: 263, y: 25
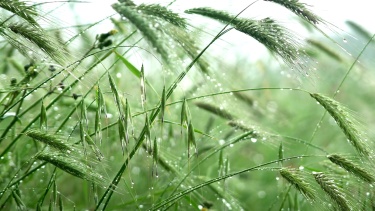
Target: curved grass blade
x: 183, y: 193
x: 17, y: 198
x: 162, y: 108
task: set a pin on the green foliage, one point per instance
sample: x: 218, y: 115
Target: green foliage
x: 115, y: 126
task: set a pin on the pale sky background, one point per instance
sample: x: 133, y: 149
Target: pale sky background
x: 335, y: 12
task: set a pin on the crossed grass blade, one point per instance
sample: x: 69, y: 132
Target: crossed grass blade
x: 19, y: 202
x: 51, y: 182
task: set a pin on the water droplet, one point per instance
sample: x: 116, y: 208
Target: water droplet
x: 261, y: 194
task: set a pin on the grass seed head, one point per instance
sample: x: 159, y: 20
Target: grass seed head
x: 345, y: 121
x: 352, y: 168
x: 332, y: 190
x: 70, y: 165
x: 294, y: 179
x: 50, y: 140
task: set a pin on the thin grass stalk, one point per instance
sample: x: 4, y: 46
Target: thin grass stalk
x: 116, y: 179
x: 53, y: 101
x: 49, y: 185
x: 359, y: 29
x: 181, y: 194
x: 5, y: 202
x: 341, y: 83
x: 287, y: 192
x: 35, y: 119
x: 216, y: 150
x: 72, y: 65
x: 17, y: 198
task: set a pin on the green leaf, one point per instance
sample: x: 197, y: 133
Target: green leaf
x: 43, y: 116
x: 129, y: 65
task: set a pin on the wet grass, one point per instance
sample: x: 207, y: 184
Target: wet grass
x: 181, y: 130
